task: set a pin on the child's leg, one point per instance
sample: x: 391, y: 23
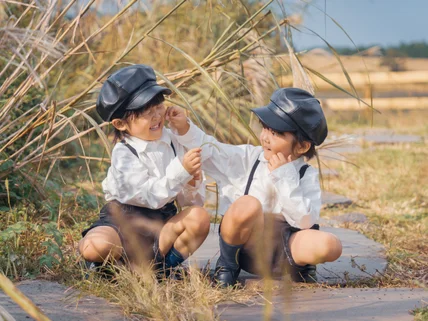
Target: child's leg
x: 100, y: 243
x: 242, y: 225
x: 184, y: 233
x: 313, y: 247
x: 243, y: 222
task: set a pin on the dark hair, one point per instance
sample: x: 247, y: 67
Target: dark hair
x: 298, y: 138
x: 131, y: 114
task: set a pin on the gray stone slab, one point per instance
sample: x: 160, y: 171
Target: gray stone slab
x: 358, y: 250
x: 328, y: 222
x: 391, y: 139
x: 60, y: 303
x: 352, y: 217
x: 333, y: 304
x: 329, y: 199
x: 338, y: 153
x: 386, y: 136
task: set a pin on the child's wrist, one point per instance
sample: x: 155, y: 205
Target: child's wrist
x: 183, y: 130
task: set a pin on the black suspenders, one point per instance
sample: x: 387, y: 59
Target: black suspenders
x: 302, y: 172
x: 133, y: 151
x: 173, y: 149
x: 250, y: 178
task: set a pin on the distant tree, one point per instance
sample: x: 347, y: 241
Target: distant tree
x: 412, y: 50
x: 393, y: 59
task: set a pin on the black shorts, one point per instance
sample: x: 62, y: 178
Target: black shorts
x: 136, y: 226
x: 276, y: 247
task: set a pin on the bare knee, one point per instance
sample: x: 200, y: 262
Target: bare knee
x: 198, y: 221
x: 332, y: 248
x: 244, y: 210
x: 97, y: 246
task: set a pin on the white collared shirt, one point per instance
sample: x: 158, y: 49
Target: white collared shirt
x: 154, y: 178
x: 279, y: 192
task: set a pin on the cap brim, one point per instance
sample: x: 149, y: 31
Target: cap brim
x: 143, y: 96
x: 268, y: 117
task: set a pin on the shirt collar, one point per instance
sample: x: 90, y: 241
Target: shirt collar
x: 141, y: 145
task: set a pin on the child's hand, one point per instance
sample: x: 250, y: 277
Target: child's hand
x: 192, y: 161
x: 177, y: 119
x: 278, y: 160
x: 196, y: 177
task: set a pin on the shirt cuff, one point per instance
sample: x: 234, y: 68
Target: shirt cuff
x: 176, y: 171
x: 287, y: 171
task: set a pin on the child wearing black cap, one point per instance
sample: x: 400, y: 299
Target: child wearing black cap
x: 149, y: 170
x: 271, y: 199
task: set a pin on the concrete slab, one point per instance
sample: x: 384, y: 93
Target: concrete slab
x: 333, y: 304
x: 378, y: 136
x: 358, y: 250
x: 391, y: 139
x: 328, y: 222
x: 60, y: 303
x: 329, y: 199
x: 352, y: 217
x: 338, y: 153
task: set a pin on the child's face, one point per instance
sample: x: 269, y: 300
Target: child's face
x: 148, y: 125
x: 274, y: 143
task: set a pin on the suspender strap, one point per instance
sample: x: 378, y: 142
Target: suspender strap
x: 133, y: 151
x: 302, y: 170
x: 173, y: 149
x: 250, y: 179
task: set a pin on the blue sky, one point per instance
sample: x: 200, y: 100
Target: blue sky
x: 384, y: 22
x: 368, y: 22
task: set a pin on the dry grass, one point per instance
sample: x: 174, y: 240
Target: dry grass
x: 410, y: 122
x: 355, y: 64
x: 421, y: 314
x: 191, y: 298
x: 219, y: 61
x: 389, y: 187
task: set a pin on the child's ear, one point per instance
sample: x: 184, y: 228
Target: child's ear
x: 119, y: 124
x: 303, y: 147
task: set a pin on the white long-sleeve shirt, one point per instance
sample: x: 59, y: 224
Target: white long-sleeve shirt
x: 154, y: 178
x: 280, y: 192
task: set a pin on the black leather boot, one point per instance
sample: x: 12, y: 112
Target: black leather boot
x: 227, y: 268
x: 305, y: 274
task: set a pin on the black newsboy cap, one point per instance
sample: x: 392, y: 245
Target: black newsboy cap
x: 292, y: 110
x: 129, y: 88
